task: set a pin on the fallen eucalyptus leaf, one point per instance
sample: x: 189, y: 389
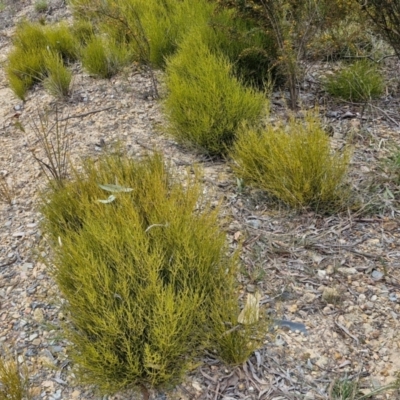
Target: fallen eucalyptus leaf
x: 251, y: 311
x: 109, y: 200
x: 115, y: 188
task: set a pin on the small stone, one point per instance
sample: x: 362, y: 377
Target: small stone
x: 36, y: 342
x: 196, y: 385
x: 309, y: 297
x: 33, y: 336
x: 48, y: 384
x: 330, y: 270
x: 392, y: 297
x: 309, y: 396
x: 76, y: 394
x: 56, y: 395
x: 321, y: 274
x: 330, y: 295
x: 38, y: 315
x: 293, y: 308
x: 254, y: 223
x: 18, y: 234
x: 322, y: 362
x: 377, y: 275
x: 347, y: 271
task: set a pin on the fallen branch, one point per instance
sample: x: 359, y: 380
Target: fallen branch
x: 85, y: 114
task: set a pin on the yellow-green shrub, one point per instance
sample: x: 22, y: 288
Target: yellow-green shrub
x: 294, y: 163
x: 205, y: 102
x: 58, y: 78
x: 146, y: 275
x: 153, y: 26
x: 104, y: 58
x: 33, y: 45
x: 14, y: 384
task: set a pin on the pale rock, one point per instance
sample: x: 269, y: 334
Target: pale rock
x: 309, y: 297
x: 38, y: 315
x: 322, y: 362
x: 330, y: 295
x: 196, y: 385
x: 347, y: 271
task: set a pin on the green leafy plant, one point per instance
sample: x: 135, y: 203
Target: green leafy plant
x: 146, y: 276
x: 14, y: 384
x: 206, y: 104
x: 360, y: 82
x: 293, y: 162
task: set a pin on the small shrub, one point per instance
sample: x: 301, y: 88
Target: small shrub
x: 59, y: 77
x: 6, y: 190
x: 145, y: 273
x: 34, y: 45
x: 14, y: 383
x: 31, y: 36
x: 360, y: 81
x: 206, y: 103
x: 293, y: 163
x: 104, y: 58
x: 83, y: 31
x: 41, y: 6
x: 24, y: 69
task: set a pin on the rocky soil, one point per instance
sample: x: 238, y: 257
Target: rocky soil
x: 330, y: 283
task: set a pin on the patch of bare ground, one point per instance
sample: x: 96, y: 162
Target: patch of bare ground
x: 330, y: 284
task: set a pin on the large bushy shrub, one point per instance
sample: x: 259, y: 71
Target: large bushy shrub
x: 206, y: 104
x: 145, y: 273
x: 293, y: 163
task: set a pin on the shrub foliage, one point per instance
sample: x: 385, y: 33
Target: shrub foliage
x: 41, y: 52
x: 293, y: 163
x: 145, y: 273
x: 206, y: 103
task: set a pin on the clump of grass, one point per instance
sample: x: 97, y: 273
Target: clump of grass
x: 6, y: 190
x: 360, y: 82
x: 104, y: 58
x: 394, y: 165
x: 294, y: 163
x: 14, y: 384
x: 346, y: 389
x: 41, y: 6
x: 206, y: 104
x: 34, y: 46
x: 58, y: 78
x: 144, y: 268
